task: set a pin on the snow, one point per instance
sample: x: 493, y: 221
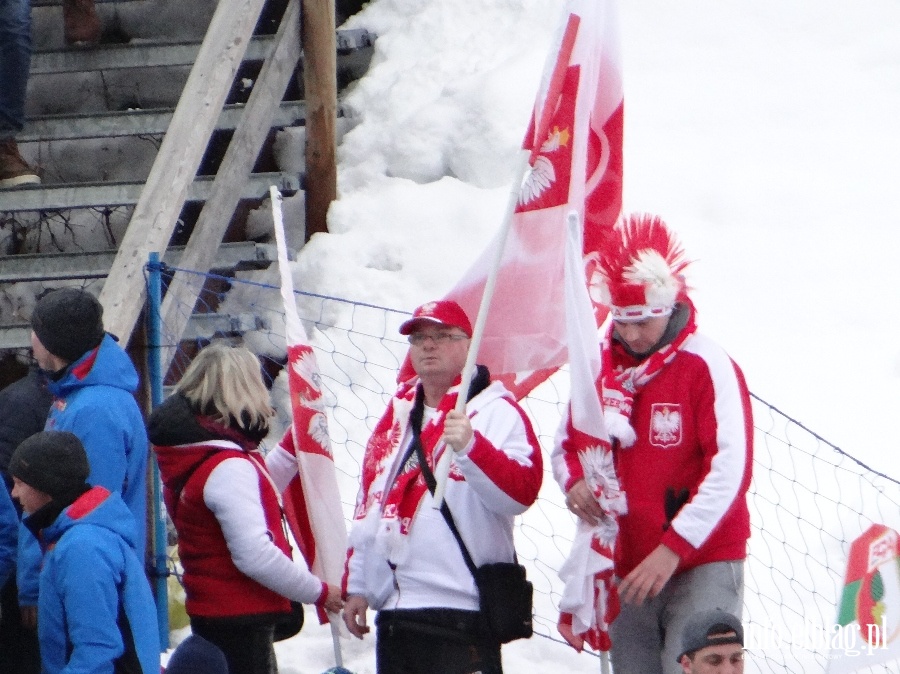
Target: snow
x: 762, y: 133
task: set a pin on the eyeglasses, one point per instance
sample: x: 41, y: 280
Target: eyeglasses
x: 419, y: 338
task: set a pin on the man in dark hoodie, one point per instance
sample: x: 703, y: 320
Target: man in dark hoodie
x: 93, y: 382
x: 95, y: 607
x: 24, y: 405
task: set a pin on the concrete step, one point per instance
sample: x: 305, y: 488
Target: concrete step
x: 88, y: 195
x: 152, y: 54
x: 200, y: 326
x: 138, y: 123
x: 239, y: 256
x: 133, y: 55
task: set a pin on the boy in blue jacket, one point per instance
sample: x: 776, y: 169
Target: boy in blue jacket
x: 95, y: 610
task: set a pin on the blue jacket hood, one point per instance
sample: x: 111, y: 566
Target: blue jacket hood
x: 98, y: 507
x: 107, y: 365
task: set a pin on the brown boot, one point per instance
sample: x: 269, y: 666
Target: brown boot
x: 81, y: 24
x: 13, y: 169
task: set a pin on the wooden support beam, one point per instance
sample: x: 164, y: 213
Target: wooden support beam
x: 251, y: 132
x: 320, y: 84
x: 193, y: 121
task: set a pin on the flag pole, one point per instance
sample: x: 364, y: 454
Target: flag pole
x: 557, y: 62
x: 443, y: 466
x: 293, y: 328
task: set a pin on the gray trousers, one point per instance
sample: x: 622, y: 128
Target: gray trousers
x: 647, y: 638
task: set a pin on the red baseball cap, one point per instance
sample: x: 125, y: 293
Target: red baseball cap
x: 442, y: 312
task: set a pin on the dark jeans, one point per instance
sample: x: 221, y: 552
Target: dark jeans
x: 18, y: 646
x: 248, y: 648
x: 15, y: 60
x: 433, y: 640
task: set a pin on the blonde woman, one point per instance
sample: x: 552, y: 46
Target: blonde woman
x: 238, y: 571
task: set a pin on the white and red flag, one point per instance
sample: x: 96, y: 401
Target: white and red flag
x: 541, y: 314
x: 312, y: 500
x: 573, y: 149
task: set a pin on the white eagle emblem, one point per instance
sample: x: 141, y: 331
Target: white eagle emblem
x: 538, y: 180
x: 427, y: 309
x: 306, y: 368
x: 318, y: 431
x: 665, y: 424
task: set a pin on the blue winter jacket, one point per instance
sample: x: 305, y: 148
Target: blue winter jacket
x: 9, y: 527
x: 90, y: 571
x: 94, y: 399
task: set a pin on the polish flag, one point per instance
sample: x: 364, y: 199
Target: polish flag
x: 541, y: 314
x: 312, y: 500
x: 573, y: 149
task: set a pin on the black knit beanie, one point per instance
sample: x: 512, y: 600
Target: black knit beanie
x: 53, y: 462
x: 68, y: 322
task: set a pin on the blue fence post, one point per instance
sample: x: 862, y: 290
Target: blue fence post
x: 155, y: 373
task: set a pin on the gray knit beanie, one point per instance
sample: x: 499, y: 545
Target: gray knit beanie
x: 68, y: 322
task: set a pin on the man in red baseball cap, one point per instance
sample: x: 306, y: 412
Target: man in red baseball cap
x: 404, y: 561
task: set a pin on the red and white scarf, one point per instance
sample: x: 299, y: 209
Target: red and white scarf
x: 619, y: 385
x: 395, y: 491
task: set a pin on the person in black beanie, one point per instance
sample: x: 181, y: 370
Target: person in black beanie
x: 93, y: 382
x: 95, y: 608
x: 53, y: 463
x: 68, y: 323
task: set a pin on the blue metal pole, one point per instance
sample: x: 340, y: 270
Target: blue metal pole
x: 155, y: 373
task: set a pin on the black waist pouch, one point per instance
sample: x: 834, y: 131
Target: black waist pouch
x: 289, y: 624
x: 506, y: 597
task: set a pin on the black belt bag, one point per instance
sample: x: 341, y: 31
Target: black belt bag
x: 504, y: 593
x: 505, y: 596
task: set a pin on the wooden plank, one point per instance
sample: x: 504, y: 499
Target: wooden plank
x: 156, y: 213
x: 233, y: 172
x: 320, y: 84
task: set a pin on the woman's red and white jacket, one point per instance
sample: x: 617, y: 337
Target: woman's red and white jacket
x: 694, y: 439
x: 225, y: 507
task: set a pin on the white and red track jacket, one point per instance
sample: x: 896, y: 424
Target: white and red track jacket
x: 695, y: 437
x: 497, y: 478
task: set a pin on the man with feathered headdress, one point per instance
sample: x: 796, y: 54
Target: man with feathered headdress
x: 678, y: 412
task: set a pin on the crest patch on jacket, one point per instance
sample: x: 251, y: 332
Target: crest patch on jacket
x: 665, y: 425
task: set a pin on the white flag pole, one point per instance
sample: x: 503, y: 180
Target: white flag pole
x: 443, y: 466
x: 293, y: 328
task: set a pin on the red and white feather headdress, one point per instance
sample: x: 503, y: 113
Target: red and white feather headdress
x: 641, y: 269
